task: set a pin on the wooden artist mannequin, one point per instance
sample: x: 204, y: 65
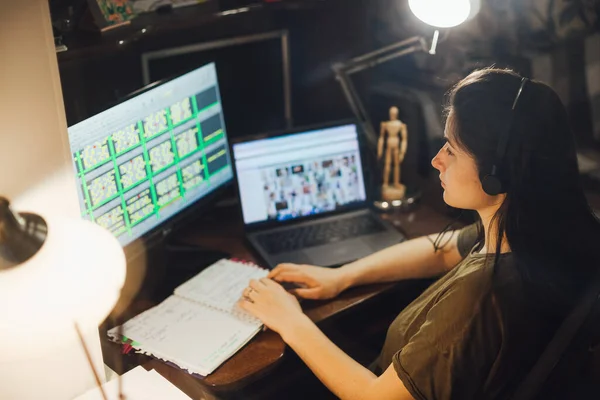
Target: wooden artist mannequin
x: 397, y: 137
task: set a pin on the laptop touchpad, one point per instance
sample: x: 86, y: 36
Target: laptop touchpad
x: 296, y: 257
x: 336, y: 254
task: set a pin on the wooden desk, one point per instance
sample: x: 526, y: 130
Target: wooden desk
x: 224, y: 231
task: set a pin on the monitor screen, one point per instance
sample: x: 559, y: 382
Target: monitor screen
x: 145, y: 160
x: 254, y: 72
x: 299, y: 175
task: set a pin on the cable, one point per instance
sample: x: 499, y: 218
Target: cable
x: 440, y: 237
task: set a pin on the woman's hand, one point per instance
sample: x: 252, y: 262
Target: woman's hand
x: 319, y: 283
x: 272, y: 304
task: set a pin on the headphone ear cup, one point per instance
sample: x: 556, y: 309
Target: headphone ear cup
x: 491, y: 185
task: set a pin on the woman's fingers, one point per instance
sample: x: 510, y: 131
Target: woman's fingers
x: 298, y: 277
x: 247, y: 306
x: 256, y: 285
x: 268, y: 282
x: 310, y: 293
x: 282, y: 268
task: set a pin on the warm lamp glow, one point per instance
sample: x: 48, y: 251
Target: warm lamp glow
x: 76, y: 276
x: 40, y: 354
x: 441, y: 13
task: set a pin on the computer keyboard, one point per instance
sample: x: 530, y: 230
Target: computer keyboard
x: 319, y: 234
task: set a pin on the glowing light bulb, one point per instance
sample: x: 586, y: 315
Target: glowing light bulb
x: 441, y: 13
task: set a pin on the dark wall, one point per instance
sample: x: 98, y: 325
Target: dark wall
x: 97, y: 71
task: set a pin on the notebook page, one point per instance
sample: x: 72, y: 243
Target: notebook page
x: 221, y: 285
x: 193, y: 337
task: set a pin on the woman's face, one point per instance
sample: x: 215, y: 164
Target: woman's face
x: 459, y: 175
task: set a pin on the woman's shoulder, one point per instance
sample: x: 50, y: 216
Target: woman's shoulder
x: 468, y: 293
x: 467, y: 238
x: 478, y: 285
x: 480, y: 273
x: 465, y: 313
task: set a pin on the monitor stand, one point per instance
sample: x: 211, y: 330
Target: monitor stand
x: 182, y: 262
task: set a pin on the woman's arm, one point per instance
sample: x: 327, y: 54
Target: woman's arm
x: 346, y: 378
x: 281, y: 312
x: 412, y: 259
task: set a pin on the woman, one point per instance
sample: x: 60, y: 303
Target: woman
x: 509, y: 279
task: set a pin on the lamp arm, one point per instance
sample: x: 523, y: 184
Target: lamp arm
x: 358, y: 109
x: 90, y: 361
x: 412, y: 41
x: 343, y: 71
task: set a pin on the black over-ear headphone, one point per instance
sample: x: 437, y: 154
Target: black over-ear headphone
x: 491, y: 183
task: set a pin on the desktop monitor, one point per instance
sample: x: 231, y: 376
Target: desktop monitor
x: 255, y: 72
x: 143, y: 162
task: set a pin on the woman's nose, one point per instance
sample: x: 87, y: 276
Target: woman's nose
x: 436, y: 162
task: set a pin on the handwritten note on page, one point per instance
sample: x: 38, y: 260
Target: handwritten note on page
x: 200, y: 326
x: 193, y: 337
x: 220, y: 285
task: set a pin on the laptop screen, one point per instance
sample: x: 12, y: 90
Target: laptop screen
x: 299, y: 175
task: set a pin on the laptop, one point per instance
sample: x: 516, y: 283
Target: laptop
x: 304, y: 199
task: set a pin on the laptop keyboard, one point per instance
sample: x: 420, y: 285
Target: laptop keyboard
x: 319, y: 234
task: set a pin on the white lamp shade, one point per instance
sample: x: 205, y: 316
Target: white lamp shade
x: 441, y: 13
x: 76, y: 276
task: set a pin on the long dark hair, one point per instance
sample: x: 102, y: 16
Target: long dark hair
x: 545, y: 216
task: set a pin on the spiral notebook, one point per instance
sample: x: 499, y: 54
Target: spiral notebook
x: 200, y: 326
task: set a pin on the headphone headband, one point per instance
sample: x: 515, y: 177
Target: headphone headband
x: 523, y: 81
x: 492, y: 185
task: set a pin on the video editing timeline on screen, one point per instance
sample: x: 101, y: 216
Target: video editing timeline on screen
x: 141, y: 169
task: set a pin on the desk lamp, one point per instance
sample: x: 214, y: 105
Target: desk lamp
x: 58, y: 277
x: 437, y: 13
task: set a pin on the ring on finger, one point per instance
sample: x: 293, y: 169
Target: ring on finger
x: 248, y: 291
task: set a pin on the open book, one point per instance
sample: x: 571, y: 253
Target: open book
x: 200, y: 326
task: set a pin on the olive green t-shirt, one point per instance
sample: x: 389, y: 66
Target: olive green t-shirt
x: 467, y: 336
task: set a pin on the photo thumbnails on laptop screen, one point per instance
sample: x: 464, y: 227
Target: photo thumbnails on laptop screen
x: 299, y: 175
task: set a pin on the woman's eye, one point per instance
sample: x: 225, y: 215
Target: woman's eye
x: 447, y: 148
